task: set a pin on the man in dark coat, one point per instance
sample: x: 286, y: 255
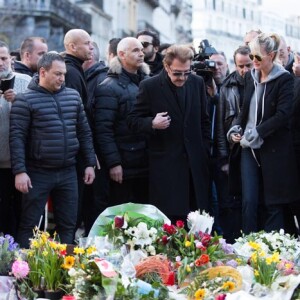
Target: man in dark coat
x: 31, y: 50
x: 122, y: 152
x: 96, y: 195
x: 79, y: 48
x: 172, y: 108
x: 48, y: 128
x: 153, y: 58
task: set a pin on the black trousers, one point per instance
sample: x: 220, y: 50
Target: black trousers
x: 130, y: 190
x: 10, y: 203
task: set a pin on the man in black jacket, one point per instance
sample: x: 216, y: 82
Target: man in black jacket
x: 79, y: 48
x: 31, y: 50
x: 48, y: 128
x: 123, y: 153
x: 153, y: 58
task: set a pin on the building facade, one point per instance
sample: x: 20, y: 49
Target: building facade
x: 225, y: 22
x: 50, y: 19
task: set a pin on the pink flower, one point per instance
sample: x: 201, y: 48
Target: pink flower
x: 20, y: 269
x: 220, y: 297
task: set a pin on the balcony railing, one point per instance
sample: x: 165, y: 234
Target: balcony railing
x: 62, y: 11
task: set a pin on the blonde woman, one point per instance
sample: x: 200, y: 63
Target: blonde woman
x: 267, y: 161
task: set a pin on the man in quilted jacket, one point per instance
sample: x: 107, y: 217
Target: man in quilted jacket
x: 47, y: 130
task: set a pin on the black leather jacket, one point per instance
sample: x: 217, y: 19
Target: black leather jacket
x: 228, y: 109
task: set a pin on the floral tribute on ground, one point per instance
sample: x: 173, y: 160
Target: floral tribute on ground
x: 134, y: 252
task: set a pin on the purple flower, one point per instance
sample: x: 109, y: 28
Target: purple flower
x: 232, y: 263
x: 227, y: 248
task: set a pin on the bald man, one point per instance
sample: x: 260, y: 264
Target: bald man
x: 79, y: 48
x: 122, y: 152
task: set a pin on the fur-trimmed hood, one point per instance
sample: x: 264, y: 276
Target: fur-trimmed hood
x: 115, y: 67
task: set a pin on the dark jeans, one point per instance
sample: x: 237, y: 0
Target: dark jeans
x: 253, y: 198
x: 10, y: 203
x: 130, y: 190
x: 61, y: 185
x: 226, y: 208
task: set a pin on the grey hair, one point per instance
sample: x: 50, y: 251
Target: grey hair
x: 269, y: 42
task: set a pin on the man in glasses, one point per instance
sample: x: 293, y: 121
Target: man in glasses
x: 172, y: 109
x: 151, y: 43
x: 228, y: 108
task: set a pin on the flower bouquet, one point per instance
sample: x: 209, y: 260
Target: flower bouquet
x: 132, y: 224
x: 8, y: 253
x: 45, y: 258
x: 193, y: 250
x: 214, y: 283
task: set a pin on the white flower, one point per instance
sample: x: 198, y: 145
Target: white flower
x: 178, y: 258
x: 150, y: 249
x: 200, y: 222
x: 142, y: 235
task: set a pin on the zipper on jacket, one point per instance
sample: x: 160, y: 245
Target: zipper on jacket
x: 64, y: 129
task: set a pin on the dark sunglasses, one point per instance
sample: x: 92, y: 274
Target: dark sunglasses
x: 258, y: 57
x: 179, y: 74
x: 146, y: 44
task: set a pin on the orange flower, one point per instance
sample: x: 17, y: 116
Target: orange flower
x: 202, y: 260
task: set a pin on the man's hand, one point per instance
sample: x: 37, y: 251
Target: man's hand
x: 116, y: 174
x: 23, y: 182
x: 161, y: 121
x: 9, y: 95
x: 89, y: 175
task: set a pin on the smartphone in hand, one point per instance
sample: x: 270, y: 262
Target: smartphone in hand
x: 7, y: 84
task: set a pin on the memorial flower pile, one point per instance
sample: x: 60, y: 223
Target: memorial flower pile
x: 193, y: 250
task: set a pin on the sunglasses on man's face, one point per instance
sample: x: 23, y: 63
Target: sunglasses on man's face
x: 146, y: 44
x: 258, y: 57
x: 179, y: 74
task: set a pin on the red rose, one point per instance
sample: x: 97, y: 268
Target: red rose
x: 180, y: 224
x: 119, y: 222
x: 202, y: 260
x: 220, y: 297
x: 164, y: 239
x: 170, y: 229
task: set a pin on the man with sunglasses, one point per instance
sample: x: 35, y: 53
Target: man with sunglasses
x: 172, y: 109
x: 151, y: 43
x: 228, y: 108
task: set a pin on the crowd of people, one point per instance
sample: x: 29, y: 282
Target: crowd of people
x: 145, y: 127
